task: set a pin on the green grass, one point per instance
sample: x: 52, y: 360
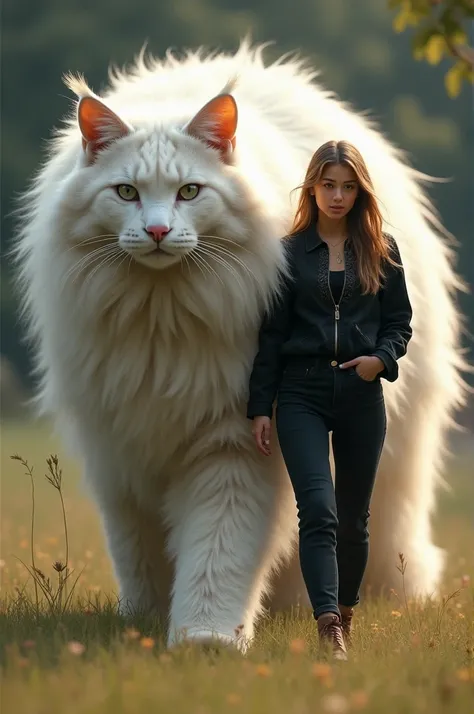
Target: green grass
x: 81, y: 656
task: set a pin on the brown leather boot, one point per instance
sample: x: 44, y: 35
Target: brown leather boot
x: 330, y: 632
x: 347, y: 614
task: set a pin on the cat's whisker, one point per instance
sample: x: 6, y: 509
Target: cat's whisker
x: 108, y: 260
x: 130, y: 261
x: 223, y: 249
x: 185, y: 262
x: 226, y: 240
x: 78, y: 267
x: 120, y: 262
x: 219, y: 259
x: 90, y: 258
x: 215, y: 250
x: 98, y: 255
x: 195, y: 260
x: 205, y: 265
x: 94, y: 239
x: 231, y: 254
x: 222, y: 261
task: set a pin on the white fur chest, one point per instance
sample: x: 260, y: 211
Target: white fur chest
x: 143, y: 364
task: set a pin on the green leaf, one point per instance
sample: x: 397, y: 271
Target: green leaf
x: 458, y: 38
x: 400, y: 22
x: 435, y: 49
x: 422, y: 8
x: 404, y: 18
x: 453, y: 80
x: 422, y: 37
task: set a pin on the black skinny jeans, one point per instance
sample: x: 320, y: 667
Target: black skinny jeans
x: 315, y: 398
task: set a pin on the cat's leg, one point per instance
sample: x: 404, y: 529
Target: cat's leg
x: 136, y: 542
x: 135, y: 537
x: 226, y: 536
x: 402, y: 504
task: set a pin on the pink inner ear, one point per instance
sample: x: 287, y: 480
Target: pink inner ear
x: 218, y: 118
x: 95, y: 118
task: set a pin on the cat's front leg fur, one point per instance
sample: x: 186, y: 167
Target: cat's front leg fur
x: 136, y: 542
x: 224, y: 543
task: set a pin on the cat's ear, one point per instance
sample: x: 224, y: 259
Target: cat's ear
x: 216, y: 124
x: 99, y: 125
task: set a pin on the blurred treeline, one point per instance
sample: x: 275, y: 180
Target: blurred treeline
x: 353, y: 44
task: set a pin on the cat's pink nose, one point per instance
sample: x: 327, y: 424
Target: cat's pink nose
x: 157, y: 232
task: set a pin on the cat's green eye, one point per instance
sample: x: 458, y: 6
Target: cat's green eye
x: 128, y: 193
x: 188, y: 192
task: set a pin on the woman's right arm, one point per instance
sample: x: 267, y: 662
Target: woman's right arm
x: 268, y: 363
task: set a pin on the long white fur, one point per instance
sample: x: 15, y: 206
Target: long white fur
x: 146, y: 369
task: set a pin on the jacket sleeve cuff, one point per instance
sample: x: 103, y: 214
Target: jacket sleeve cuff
x: 259, y: 409
x: 390, y: 373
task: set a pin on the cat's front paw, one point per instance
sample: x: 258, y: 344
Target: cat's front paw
x: 209, y: 639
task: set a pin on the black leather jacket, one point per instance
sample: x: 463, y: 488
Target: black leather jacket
x: 305, y: 322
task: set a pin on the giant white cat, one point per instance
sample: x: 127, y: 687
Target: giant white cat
x: 148, y: 250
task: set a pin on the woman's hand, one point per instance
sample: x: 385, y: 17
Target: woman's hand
x: 261, y: 430
x: 367, y: 367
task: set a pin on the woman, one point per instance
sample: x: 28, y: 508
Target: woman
x: 339, y: 327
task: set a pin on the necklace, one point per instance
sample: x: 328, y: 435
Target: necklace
x: 339, y: 258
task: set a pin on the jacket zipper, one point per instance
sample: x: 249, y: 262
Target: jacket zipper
x: 337, y: 313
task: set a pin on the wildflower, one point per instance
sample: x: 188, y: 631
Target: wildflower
x: 466, y: 674
x: 131, y: 634
x: 396, y: 613
x: 465, y: 580
x: 233, y: 699
x: 147, y: 643
x: 335, y: 704
x: 263, y: 670
x: 359, y: 699
x: 298, y: 646
x: 323, y: 672
x: 76, y: 648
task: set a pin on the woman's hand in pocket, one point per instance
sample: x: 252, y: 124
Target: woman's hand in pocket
x: 367, y: 367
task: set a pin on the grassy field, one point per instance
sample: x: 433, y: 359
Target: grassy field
x: 78, y: 655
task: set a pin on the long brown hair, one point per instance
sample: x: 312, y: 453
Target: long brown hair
x: 364, y: 220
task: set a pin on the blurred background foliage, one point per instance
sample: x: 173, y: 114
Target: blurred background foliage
x: 441, y: 30
x: 361, y: 56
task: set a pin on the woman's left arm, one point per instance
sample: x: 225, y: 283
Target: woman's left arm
x: 395, y: 330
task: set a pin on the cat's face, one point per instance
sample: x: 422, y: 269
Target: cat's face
x: 160, y: 195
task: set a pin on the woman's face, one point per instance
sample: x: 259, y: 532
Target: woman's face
x: 336, y: 191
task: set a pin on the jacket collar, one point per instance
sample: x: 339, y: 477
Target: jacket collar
x: 312, y: 238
